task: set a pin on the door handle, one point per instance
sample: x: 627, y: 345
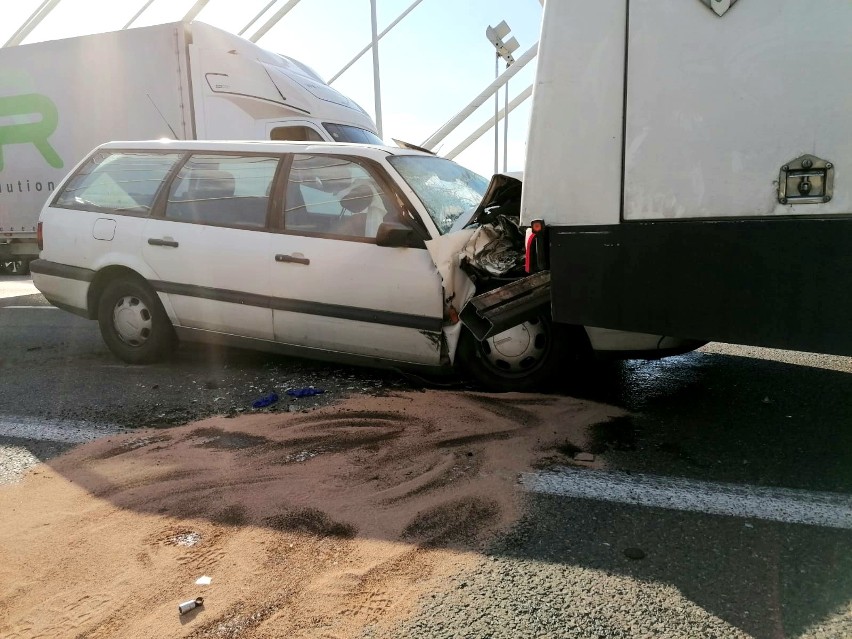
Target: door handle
x: 153, y: 241
x: 293, y: 259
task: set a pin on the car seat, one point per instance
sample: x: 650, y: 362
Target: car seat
x: 367, y: 209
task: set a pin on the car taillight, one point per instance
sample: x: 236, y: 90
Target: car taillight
x: 40, y: 236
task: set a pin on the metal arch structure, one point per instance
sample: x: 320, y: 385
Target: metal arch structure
x: 32, y: 22
x: 489, y: 123
x: 195, y: 10
x: 137, y: 14
x: 268, y: 6
x: 379, y: 37
x: 275, y: 19
x: 433, y: 140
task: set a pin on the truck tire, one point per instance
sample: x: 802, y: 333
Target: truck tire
x: 133, y: 323
x: 524, y: 358
x: 22, y: 267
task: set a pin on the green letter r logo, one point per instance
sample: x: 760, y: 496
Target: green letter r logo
x: 35, y: 133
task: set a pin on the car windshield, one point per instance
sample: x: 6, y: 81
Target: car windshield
x: 446, y: 189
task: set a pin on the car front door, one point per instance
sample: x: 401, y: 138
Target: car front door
x: 210, y: 245
x: 334, y: 288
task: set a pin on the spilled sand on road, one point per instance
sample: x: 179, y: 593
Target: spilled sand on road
x: 319, y: 524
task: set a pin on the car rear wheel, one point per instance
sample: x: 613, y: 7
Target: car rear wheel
x: 523, y: 358
x: 133, y: 323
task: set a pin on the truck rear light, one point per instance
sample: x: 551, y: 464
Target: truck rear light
x: 40, y: 236
x: 528, y: 252
x: 534, y: 233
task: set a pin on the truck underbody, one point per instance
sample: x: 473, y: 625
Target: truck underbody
x: 778, y: 283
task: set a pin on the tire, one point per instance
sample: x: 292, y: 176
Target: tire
x: 22, y: 267
x: 525, y: 358
x: 133, y: 323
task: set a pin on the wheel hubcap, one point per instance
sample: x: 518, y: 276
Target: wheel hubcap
x: 132, y: 320
x: 518, y: 349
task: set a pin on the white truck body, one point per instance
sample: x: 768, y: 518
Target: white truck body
x: 59, y: 99
x: 692, y: 161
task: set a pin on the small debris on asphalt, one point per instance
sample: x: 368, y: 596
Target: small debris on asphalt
x: 305, y: 392
x: 266, y: 400
x: 186, y: 606
x: 584, y: 457
x: 187, y: 540
x: 634, y: 553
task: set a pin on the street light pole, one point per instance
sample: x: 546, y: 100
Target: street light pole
x: 496, y: 115
x: 506, y: 127
x: 377, y: 83
x: 503, y: 50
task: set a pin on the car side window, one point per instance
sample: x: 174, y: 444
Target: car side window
x: 226, y: 190
x: 117, y: 182
x: 331, y: 195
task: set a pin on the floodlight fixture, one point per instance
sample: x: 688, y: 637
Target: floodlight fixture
x: 500, y: 31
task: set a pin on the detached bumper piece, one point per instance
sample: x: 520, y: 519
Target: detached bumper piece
x: 498, y: 310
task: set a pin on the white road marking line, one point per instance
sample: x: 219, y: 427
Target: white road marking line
x: 831, y: 510
x: 16, y: 289
x: 62, y: 431
x: 52, y: 308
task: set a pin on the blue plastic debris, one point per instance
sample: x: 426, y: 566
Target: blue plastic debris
x: 266, y: 400
x: 305, y: 392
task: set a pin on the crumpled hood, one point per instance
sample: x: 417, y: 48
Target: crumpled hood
x: 504, y: 187
x: 483, y: 246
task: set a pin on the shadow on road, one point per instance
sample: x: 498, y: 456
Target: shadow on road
x: 768, y: 579
x: 727, y: 418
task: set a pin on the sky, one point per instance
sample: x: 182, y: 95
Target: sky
x: 433, y: 63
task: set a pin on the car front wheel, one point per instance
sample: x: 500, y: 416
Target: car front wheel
x: 524, y: 358
x: 133, y: 323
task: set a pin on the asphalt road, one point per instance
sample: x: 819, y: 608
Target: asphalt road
x: 751, y: 417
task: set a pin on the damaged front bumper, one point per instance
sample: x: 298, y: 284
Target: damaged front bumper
x: 502, y: 308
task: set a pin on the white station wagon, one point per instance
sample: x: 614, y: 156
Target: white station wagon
x: 328, y: 251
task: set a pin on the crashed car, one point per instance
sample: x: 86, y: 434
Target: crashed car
x: 350, y: 253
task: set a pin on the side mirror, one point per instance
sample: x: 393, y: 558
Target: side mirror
x: 394, y: 234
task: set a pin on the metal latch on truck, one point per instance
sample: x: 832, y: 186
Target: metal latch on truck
x: 806, y: 180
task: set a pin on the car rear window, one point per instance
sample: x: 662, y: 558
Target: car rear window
x: 117, y: 182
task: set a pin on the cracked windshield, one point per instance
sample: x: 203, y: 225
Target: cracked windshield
x: 447, y: 190
x: 325, y: 319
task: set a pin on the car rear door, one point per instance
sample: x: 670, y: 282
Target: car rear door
x: 210, y: 245
x: 333, y: 287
